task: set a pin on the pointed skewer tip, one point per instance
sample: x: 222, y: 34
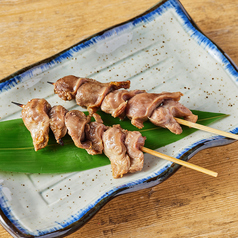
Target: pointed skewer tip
x: 60, y: 141
x: 18, y: 104
x: 50, y: 83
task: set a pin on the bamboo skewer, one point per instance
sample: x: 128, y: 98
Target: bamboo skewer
x: 198, y: 126
x: 206, y: 128
x: 180, y: 162
x: 166, y: 157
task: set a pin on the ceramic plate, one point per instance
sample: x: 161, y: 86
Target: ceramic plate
x: 160, y: 50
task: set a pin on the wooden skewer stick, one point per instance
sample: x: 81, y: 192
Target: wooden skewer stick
x: 198, y: 126
x: 206, y: 128
x: 166, y: 157
x: 178, y: 161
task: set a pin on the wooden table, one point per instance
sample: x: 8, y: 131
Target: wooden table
x: 189, y: 204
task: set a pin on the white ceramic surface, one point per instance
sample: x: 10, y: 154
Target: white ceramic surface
x: 159, y: 51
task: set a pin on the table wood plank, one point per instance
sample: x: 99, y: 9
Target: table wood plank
x: 189, y: 204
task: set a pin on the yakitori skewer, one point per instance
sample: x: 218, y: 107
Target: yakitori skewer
x: 161, y: 109
x: 131, y: 143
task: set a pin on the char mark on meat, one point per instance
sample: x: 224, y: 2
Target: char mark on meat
x: 141, y: 106
x: 91, y: 94
x: 57, y: 122
x: 164, y: 115
x: 133, y: 142
x: 75, y: 122
x: 67, y: 87
x: 115, y: 102
x: 115, y: 150
x: 36, y: 119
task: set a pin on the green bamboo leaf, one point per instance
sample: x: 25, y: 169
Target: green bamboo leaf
x: 17, y: 152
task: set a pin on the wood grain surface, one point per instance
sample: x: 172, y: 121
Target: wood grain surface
x: 189, y: 204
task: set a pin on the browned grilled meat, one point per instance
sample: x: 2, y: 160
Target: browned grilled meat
x: 91, y: 94
x: 137, y: 105
x: 115, y: 102
x: 75, y: 122
x: 36, y: 119
x: 164, y: 115
x: 115, y: 150
x: 94, y: 132
x: 57, y: 122
x: 141, y: 106
x: 133, y: 142
x: 122, y: 147
x: 67, y: 87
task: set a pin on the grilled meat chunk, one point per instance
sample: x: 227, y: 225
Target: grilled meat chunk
x: 67, y: 87
x: 122, y: 147
x: 75, y: 122
x: 164, y: 115
x: 115, y: 102
x: 141, y: 106
x: 36, y: 119
x: 57, y: 122
x: 137, y: 105
x: 91, y: 94
x: 94, y: 132
x: 115, y: 150
x: 133, y: 142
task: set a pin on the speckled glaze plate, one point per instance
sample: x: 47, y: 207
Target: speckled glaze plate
x: 160, y: 50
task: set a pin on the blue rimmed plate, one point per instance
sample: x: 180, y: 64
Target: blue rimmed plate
x: 161, y: 50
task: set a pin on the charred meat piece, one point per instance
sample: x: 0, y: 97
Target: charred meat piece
x: 57, y: 122
x: 67, y: 87
x: 141, y: 106
x: 91, y: 94
x: 36, y: 119
x: 94, y: 132
x: 115, y: 150
x: 75, y: 122
x: 115, y: 102
x: 133, y: 142
x: 164, y: 115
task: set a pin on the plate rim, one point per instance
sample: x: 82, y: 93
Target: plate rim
x: 207, y: 143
